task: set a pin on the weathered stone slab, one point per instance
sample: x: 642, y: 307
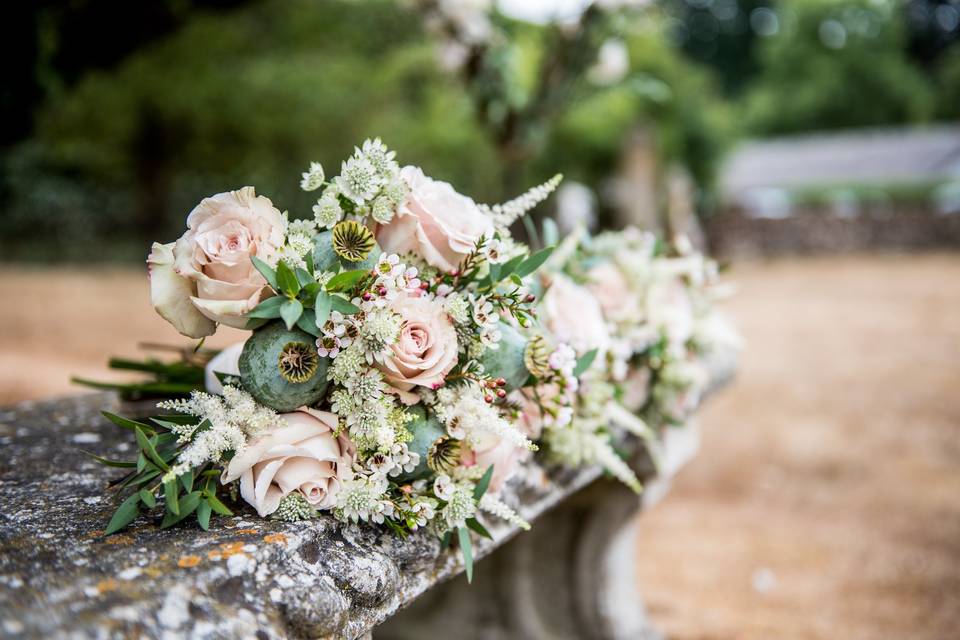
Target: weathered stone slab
x: 245, y: 578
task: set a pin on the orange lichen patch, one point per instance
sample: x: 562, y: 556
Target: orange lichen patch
x: 186, y: 562
x: 121, y: 539
x: 94, y: 534
x: 275, y: 538
x: 107, y: 585
x: 226, y: 550
x: 248, y: 532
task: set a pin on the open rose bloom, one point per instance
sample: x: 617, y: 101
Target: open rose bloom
x: 207, y: 276
x: 304, y: 456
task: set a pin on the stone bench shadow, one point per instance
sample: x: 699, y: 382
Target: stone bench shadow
x: 572, y: 576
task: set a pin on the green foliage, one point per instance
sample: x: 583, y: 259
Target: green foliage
x: 836, y: 64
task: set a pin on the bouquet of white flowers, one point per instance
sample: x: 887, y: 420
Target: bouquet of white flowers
x: 406, y: 354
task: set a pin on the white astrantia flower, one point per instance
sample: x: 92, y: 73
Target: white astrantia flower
x: 361, y: 498
x: 301, y: 227
x: 380, y: 329
x: 328, y: 212
x: 379, y: 157
x: 382, y: 209
x: 457, y: 307
x: 460, y: 506
x: 366, y: 387
x: 298, y: 245
x: 351, y: 362
x: 312, y: 177
x: 359, y: 180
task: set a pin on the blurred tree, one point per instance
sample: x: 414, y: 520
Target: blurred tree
x: 836, y: 64
x: 55, y: 43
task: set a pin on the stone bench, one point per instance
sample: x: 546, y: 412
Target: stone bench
x: 571, y: 576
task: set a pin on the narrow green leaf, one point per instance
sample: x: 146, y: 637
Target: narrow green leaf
x: 203, y: 515
x: 187, y: 481
x: 534, y: 262
x: 266, y: 271
x: 584, y: 362
x: 494, y: 275
x: 218, y: 506
x: 126, y: 513
x: 346, y: 280
x: 269, y: 308
x: 287, y: 280
x: 149, y: 450
x: 445, y: 540
x: 475, y: 525
x: 291, y: 312
x: 188, y: 505
x: 322, y: 308
x: 344, y: 306
x: 308, y: 322
x: 148, y: 498
x: 126, y: 423
x: 170, y: 494
x: 466, y: 549
x: 481, y: 487
x: 111, y: 463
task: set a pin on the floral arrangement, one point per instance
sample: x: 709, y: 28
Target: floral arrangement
x: 406, y: 354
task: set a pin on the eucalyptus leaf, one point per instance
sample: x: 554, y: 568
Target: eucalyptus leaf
x: 290, y: 311
x: 551, y: 233
x: 475, y: 526
x: 287, y: 280
x: 344, y: 306
x: 266, y: 271
x: 534, y: 262
x: 303, y: 276
x: 268, y: 309
x: 346, y: 280
x: 308, y: 322
x: 584, y: 362
x: 481, y: 487
x: 322, y: 309
x: 466, y: 550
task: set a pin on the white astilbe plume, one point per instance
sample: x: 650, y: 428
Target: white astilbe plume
x: 580, y: 444
x: 606, y: 457
x: 231, y: 419
x: 497, y: 507
x: 506, y: 214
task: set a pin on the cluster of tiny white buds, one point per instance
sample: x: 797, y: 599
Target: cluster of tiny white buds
x: 312, y: 177
x: 495, y: 506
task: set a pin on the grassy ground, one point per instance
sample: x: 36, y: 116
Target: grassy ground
x: 826, y: 499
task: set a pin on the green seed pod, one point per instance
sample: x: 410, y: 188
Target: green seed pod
x: 426, y: 430
x: 325, y: 258
x: 281, y: 369
x: 507, y: 360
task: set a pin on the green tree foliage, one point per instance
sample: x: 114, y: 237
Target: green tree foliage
x: 836, y: 64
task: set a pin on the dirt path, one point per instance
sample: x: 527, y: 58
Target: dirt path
x: 826, y: 499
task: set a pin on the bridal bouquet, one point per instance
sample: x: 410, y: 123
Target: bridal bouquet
x: 406, y: 355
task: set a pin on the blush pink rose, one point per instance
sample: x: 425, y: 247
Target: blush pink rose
x: 494, y: 450
x: 207, y: 276
x: 304, y: 455
x: 609, y: 286
x: 435, y: 222
x: 572, y: 315
x: 426, y: 350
